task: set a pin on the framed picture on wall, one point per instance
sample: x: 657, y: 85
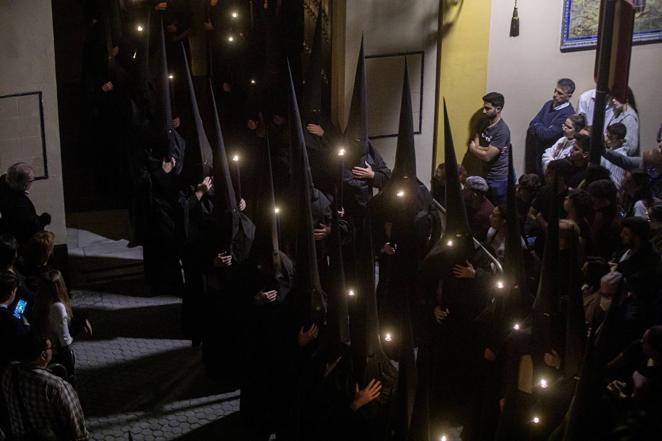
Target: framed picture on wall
x: 579, y: 30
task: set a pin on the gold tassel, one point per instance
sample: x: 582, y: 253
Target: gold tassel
x: 514, y: 22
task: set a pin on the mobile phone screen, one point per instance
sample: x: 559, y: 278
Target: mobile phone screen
x: 20, y: 308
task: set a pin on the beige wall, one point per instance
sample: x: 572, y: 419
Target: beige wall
x: 27, y: 60
x: 526, y: 68
x: 392, y: 27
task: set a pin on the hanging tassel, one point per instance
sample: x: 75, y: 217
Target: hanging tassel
x: 514, y: 22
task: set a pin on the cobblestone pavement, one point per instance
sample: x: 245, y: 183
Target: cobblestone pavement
x: 138, y: 374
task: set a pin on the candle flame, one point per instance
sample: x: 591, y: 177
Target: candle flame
x: 400, y: 193
x: 230, y: 38
x: 171, y: 77
x: 516, y: 326
x: 388, y: 337
x: 543, y: 383
x: 351, y: 293
x: 341, y: 152
x: 139, y: 28
x: 276, y: 210
x: 500, y: 284
x: 535, y: 420
x: 235, y: 14
x: 449, y: 243
x: 235, y: 158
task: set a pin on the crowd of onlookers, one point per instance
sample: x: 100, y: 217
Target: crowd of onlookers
x: 37, y: 323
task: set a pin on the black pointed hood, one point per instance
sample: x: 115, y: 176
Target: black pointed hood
x: 338, y: 318
x: 307, y: 281
x: 405, y: 153
x: 518, y: 299
x: 311, y: 103
x: 165, y: 100
x: 225, y: 196
x: 456, y: 243
x: 356, y: 133
x: 575, y: 330
x: 545, y: 303
x: 206, y: 157
x: 236, y: 229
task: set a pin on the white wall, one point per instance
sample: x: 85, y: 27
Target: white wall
x: 525, y: 69
x: 393, y: 27
x: 27, y: 58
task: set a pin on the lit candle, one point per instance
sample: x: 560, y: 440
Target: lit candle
x: 139, y: 28
x: 516, y: 326
x: 536, y: 420
x: 235, y: 159
x: 171, y: 77
x: 400, y: 193
x: 341, y: 192
x: 351, y: 293
x: 388, y: 337
x: 231, y: 38
x: 235, y: 14
x: 444, y: 438
x: 500, y: 284
x: 449, y: 243
x: 543, y: 383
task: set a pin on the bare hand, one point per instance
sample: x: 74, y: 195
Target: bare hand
x: 263, y: 298
x: 208, y: 26
x: 168, y: 165
x: 227, y: 87
x: 204, y: 187
x: 552, y: 359
x: 242, y: 204
x: 390, y: 249
x: 114, y: 51
x: 489, y: 354
x: 223, y: 260
x: 440, y: 314
x: 315, y: 129
x: 306, y: 337
x: 464, y: 272
x: 107, y: 87
x: 366, y: 395
x: 617, y: 389
x: 363, y: 173
x: 161, y: 6
x: 322, y: 232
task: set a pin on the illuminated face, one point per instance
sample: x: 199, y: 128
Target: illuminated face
x: 577, y: 155
x: 560, y: 96
x: 567, y: 204
x: 490, y: 111
x: 568, y: 129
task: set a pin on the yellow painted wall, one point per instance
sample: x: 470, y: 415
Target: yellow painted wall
x: 463, y: 76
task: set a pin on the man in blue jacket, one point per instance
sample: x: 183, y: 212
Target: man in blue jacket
x: 545, y: 128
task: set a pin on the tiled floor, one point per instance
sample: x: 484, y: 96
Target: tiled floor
x: 137, y: 373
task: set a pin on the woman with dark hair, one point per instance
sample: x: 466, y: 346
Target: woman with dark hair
x: 563, y: 147
x: 626, y: 114
x: 54, y: 317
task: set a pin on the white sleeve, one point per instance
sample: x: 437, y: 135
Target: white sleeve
x: 548, y: 154
x: 640, y: 209
x: 60, y: 324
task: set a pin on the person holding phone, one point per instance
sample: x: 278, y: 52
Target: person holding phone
x: 11, y: 327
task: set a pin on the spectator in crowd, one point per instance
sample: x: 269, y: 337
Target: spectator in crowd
x: 54, y: 317
x: 637, y: 195
x: 12, y: 325
x: 605, y: 223
x: 40, y: 404
x: 490, y: 146
x: 18, y: 216
x: 438, y: 184
x: 478, y: 206
x: 496, y: 234
x: 562, y: 148
x: 546, y: 127
x: 626, y: 114
x: 615, y: 142
x: 578, y: 160
x: 35, y: 258
x: 586, y: 106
